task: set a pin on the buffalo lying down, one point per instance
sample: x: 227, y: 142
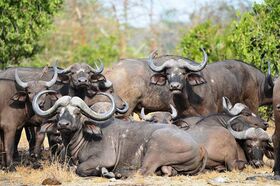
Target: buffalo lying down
x: 120, y: 146
x: 227, y: 148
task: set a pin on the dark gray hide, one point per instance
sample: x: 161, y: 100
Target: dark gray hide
x: 15, y: 104
x: 125, y: 147
x: 236, y: 80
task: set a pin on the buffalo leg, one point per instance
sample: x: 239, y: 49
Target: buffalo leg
x: 31, y: 138
x: 17, y: 139
x: 276, y: 144
x: 40, y: 136
x: 92, y: 167
x: 9, y: 142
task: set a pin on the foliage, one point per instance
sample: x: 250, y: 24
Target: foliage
x: 207, y: 36
x: 254, y: 39
x: 23, y: 23
x: 104, y: 49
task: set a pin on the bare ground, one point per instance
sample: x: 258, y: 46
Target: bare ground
x: 27, y: 176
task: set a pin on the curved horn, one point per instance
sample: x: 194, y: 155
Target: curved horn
x: 174, y: 113
x: 257, y: 133
x: 236, y: 134
x: 18, y: 80
x: 76, y: 101
x: 123, y: 110
x: 64, y: 71
x: 250, y: 133
x: 63, y: 101
x: 144, y: 116
x: 97, y: 70
x: 237, y: 108
x: 108, y: 84
x: 53, y: 80
x: 197, y: 67
x: 226, y: 104
x: 232, y: 110
x: 152, y: 65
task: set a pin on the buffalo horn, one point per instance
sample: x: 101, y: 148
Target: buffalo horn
x: 124, y: 109
x: 63, y: 101
x: 19, y: 81
x: 78, y: 102
x: 174, y: 112
x: 144, y: 116
x: 53, y: 80
x: 232, y: 110
x: 190, y: 65
x: 250, y: 133
x: 98, y: 69
x: 65, y: 71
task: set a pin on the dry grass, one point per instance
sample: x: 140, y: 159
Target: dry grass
x: 29, y: 176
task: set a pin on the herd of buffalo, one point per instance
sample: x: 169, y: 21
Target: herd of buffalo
x: 201, y: 116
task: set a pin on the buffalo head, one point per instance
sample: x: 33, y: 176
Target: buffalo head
x: 177, y: 72
x: 159, y: 117
x: 244, y: 113
x: 32, y: 87
x: 79, y: 75
x: 255, y: 142
x: 73, y: 113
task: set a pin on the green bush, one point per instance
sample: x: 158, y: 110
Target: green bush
x: 104, y: 49
x: 22, y: 24
x: 254, y: 39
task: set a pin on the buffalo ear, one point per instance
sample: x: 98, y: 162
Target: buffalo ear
x: 158, y: 79
x: 181, y: 124
x: 195, y: 79
x: 64, y: 78
x: 54, y: 96
x: 92, y: 129
x: 19, y: 96
x: 269, y: 151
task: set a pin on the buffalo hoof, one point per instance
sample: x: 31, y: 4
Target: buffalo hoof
x: 11, y: 168
x: 36, y: 165
x: 275, y: 177
x: 105, y: 173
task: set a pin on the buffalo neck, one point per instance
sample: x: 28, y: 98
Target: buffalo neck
x: 74, y: 143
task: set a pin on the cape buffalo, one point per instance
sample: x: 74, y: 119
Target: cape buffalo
x: 84, y: 81
x: 211, y: 129
x: 151, y: 83
x: 15, y: 107
x: 276, y: 135
x: 121, y: 146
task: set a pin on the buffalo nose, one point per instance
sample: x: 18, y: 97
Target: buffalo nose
x: 175, y: 85
x: 257, y: 163
x: 82, y: 80
x: 63, y: 123
x: 266, y: 124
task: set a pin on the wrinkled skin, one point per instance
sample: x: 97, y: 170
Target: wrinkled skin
x: 124, y: 147
x: 15, y: 101
x: 144, y: 88
x: 276, y: 135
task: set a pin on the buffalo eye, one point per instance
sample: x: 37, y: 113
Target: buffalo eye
x: 247, y: 114
x: 278, y: 106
